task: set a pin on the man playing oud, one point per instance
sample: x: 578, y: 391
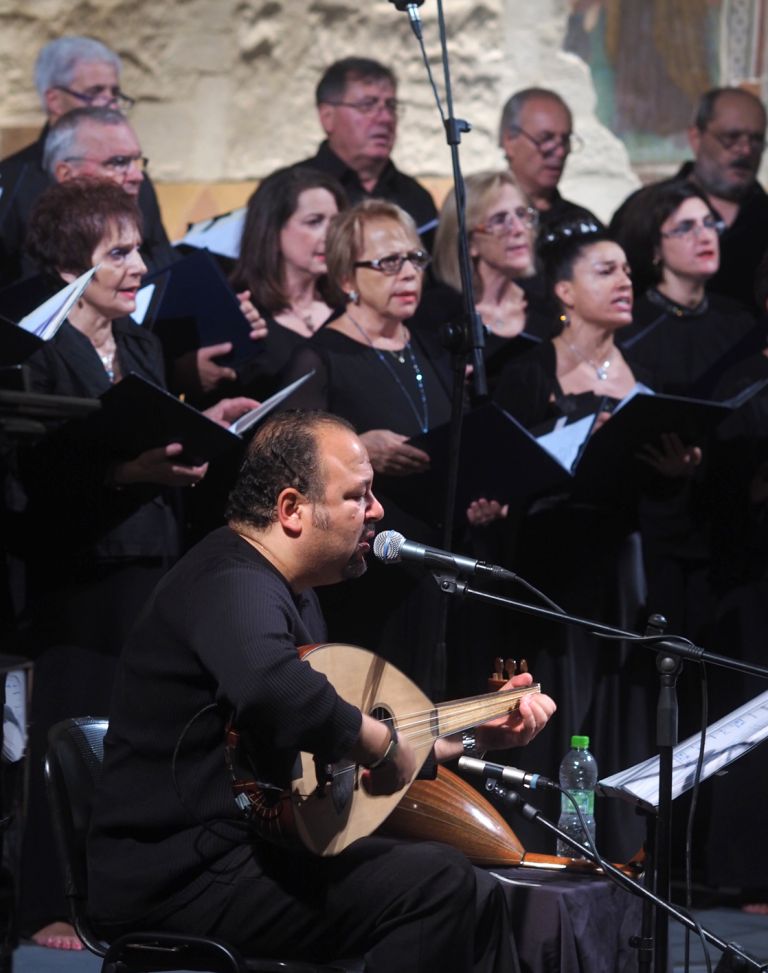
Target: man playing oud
x: 169, y: 847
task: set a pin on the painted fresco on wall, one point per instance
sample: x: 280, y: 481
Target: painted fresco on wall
x: 652, y: 59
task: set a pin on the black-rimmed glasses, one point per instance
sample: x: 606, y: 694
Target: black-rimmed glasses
x: 118, y: 163
x: 101, y: 97
x: 729, y: 140
x: 501, y: 223
x: 392, y: 263
x: 686, y: 227
x: 550, y: 142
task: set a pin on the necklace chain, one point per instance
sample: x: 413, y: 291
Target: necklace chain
x: 600, y: 368
x: 422, y: 417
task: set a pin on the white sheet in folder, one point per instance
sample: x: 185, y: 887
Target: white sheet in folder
x: 47, y: 318
x: 726, y: 740
x: 221, y: 235
x: 244, y: 423
x: 564, y: 443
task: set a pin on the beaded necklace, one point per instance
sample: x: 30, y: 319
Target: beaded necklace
x: 422, y: 417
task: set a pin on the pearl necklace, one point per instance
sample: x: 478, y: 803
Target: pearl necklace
x: 422, y: 416
x: 600, y: 368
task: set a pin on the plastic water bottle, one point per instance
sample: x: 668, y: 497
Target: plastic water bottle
x: 578, y: 775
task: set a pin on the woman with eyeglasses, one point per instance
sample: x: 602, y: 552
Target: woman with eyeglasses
x: 392, y: 382
x: 102, y: 523
x: 501, y: 224
x: 686, y: 336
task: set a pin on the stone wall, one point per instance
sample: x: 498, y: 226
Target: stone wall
x: 225, y: 87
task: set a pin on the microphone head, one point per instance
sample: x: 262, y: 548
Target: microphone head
x: 387, y: 544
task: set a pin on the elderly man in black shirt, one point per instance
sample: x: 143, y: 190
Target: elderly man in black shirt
x: 70, y: 73
x: 216, y: 645
x: 358, y: 108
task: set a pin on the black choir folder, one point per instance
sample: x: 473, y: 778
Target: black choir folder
x: 501, y: 460
x: 137, y: 415
x: 196, y: 294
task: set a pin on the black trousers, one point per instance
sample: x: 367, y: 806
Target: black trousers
x: 405, y: 907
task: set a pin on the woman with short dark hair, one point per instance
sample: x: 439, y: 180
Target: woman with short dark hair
x: 102, y: 523
x: 684, y: 335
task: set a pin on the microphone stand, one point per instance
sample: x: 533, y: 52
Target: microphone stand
x: 670, y: 655
x: 470, y: 341
x: 733, y: 954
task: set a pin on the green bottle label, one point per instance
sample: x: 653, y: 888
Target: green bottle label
x: 585, y: 800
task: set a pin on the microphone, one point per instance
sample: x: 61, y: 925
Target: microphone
x: 390, y: 546
x: 412, y: 7
x: 508, y: 775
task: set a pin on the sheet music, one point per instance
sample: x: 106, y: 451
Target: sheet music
x: 143, y: 299
x: 726, y: 740
x: 46, y: 319
x: 221, y: 235
x: 15, y: 716
x: 564, y: 443
x: 244, y: 423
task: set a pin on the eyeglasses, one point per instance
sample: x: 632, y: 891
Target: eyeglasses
x: 369, y: 106
x: 101, y: 96
x: 393, y: 262
x: 687, y: 227
x: 550, y: 142
x: 118, y: 163
x: 729, y: 140
x: 501, y: 223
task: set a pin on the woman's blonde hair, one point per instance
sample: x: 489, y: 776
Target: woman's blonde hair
x: 480, y: 188
x: 344, y: 244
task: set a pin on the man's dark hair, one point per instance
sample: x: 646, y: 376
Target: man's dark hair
x: 283, y: 453
x: 71, y: 219
x: 705, y: 110
x: 332, y: 85
x: 260, y: 267
x: 639, y: 230
x: 513, y: 108
x: 561, y: 245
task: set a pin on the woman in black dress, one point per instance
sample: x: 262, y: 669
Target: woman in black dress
x: 501, y: 225
x: 102, y: 525
x: 684, y: 335
x: 282, y: 264
x: 584, y: 554
x: 393, y: 384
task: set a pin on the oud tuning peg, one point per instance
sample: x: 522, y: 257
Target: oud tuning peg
x: 523, y: 665
x: 497, y: 680
x: 510, y: 667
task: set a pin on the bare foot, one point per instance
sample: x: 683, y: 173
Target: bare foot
x: 57, y: 935
x: 756, y: 908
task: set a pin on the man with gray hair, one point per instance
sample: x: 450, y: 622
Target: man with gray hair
x: 77, y: 74
x: 536, y: 134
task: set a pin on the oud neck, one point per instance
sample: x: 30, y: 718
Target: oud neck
x: 462, y: 714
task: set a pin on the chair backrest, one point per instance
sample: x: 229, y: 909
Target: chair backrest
x: 72, y: 771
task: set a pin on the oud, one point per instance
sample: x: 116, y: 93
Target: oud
x: 327, y: 806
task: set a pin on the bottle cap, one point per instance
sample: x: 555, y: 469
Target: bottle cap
x: 579, y: 743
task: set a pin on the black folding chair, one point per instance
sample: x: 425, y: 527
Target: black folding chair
x: 72, y: 770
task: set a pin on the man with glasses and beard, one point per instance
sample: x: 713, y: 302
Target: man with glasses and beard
x: 358, y: 108
x: 728, y: 137
x: 70, y: 73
